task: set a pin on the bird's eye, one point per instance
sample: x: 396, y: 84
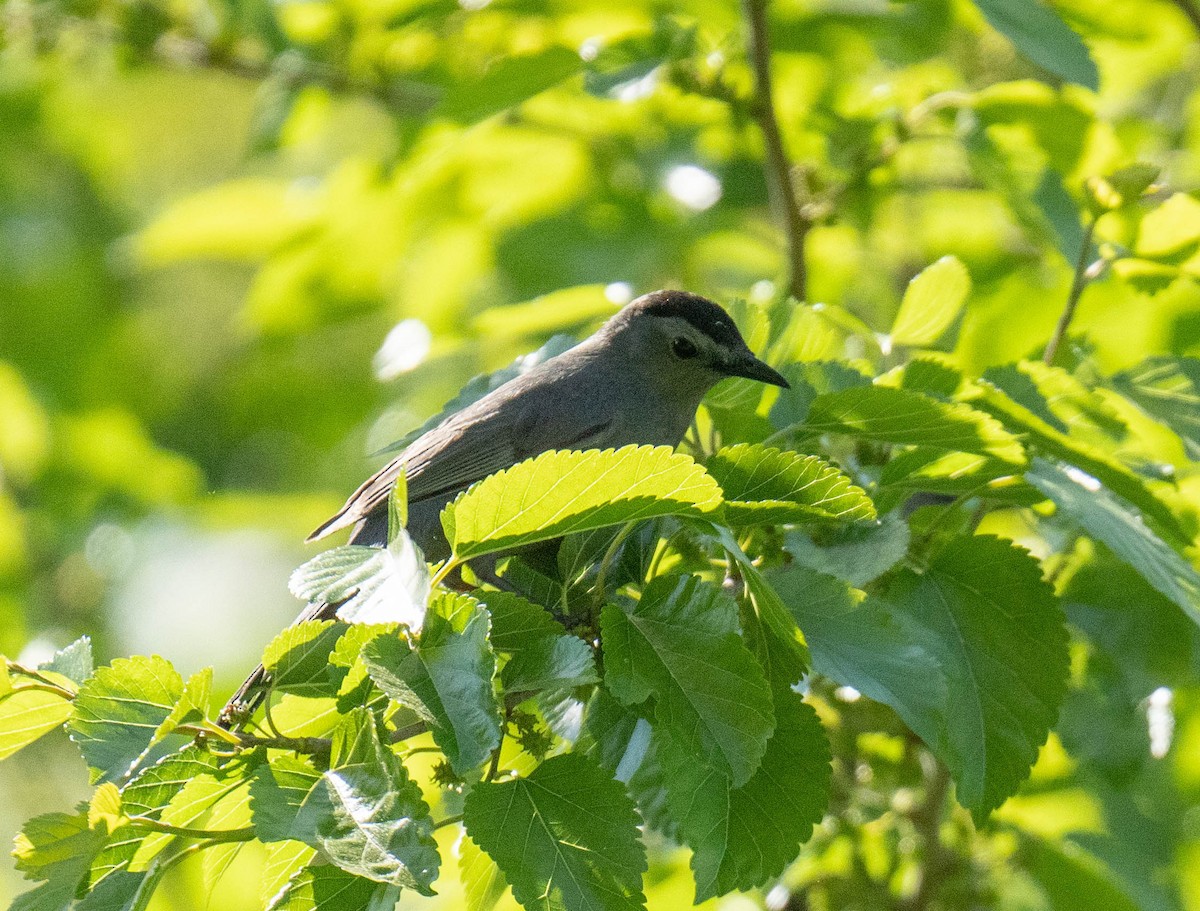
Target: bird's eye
x: 683, y: 348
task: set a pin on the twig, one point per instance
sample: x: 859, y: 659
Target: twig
x: 1189, y: 9
x: 1078, y: 283
x: 214, y: 835
x: 778, y: 167
x: 449, y: 821
x: 927, y: 820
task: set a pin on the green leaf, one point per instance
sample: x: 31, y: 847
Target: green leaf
x: 986, y: 617
x: 679, y: 643
x: 899, y: 416
x: 770, y: 486
x: 298, y: 659
x: 857, y: 553
x: 277, y: 793
x: 57, y: 849
x: 1107, y: 518
x: 861, y: 644
x: 192, y: 706
x: 118, y: 711
x: 74, y: 661
x: 1073, y: 879
x: 550, y: 663
x: 1040, y: 35
x: 562, y: 492
x: 26, y: 714
x: 1167, y: 389
x: 509, y: 81
x: 447, y: 681
x: 564, y: 837
x: 741, y: 837
x: 931, y: 303
x: 119, y: 892
x: 363, y: 815
x: 1042, y: 436
x: 326, y: 888
x: 481, y: 878
x: 1170, y: 231
x: 567, y: 308
x: 398, y: 504
x: 516, y: 622
x: 372, y: 584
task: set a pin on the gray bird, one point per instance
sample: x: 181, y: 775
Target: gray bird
x: 637, y: 379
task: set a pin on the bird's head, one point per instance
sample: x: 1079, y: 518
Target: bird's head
x: 688, y: 340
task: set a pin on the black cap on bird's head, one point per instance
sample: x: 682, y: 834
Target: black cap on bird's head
x: 706, y: 333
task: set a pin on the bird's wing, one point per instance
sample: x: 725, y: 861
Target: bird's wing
x: 463, y: 450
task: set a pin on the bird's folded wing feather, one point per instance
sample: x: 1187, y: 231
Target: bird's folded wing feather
x: 458, y: 453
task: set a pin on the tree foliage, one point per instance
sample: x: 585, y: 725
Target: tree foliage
x: 919, y: 632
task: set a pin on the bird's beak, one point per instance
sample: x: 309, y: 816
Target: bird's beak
x: 753, y: 369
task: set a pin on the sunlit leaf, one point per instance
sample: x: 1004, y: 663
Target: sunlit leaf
x: 326, y: 888
x: 26, y: 714
x: 74, y: 661
x: 370, y: 584
x: 1040, y: 34
x: 563, y: 492
x: 119, y: 709
x: 1168, y: 389
x: 564, y: 837
x: 931, y: 303
x: 766, y: 486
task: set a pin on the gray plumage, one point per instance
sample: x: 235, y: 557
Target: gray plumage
x: 638, y: 379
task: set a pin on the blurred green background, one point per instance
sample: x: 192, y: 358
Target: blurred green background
x: 244, y: 244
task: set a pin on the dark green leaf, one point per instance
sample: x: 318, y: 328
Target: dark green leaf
x: 516, y: 622
x: 1040, y: 34
x: 679, y: 643
x: 74, y: 661
x: 327, y: 888
x: 564, y: 837
x: 446, y: 680
x: 741, y: 837
x: 550, y: 663
x: 857, y: 553
x: 277, y: 793
x: 298, y: 658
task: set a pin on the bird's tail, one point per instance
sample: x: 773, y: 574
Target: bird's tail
x: 250, y: 694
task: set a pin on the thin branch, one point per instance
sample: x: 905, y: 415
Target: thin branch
x: 448, y: 821
x: 778, y: 166
x: 213, y: 835
x: 1189, y: 9
x: 927, y: 820
x: 1078, y: 283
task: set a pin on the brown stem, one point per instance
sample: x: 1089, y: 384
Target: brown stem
x: 927, y: 820
x: 1078, y: 283
x: 777, y: 166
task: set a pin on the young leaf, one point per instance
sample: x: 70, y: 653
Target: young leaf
x: 119, y: 709
x: 372, y: 584
x: 899, y: 416
x: 984, y: 614
x: 931, y: 302
x: 741, y: 837
x: 768, y: 486
x: 57, y: 849
x: 679, y: 643
x: 563, y: 492
x: 192, y: 705
x: 1040, y: 35
x: 1167, y: 389
x: 326, y: 888
x: 26, y: 714
x: 446, y: 680
x: 1121, y: 528
x: 564, y: 837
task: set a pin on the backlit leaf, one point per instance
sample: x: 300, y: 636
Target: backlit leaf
x: 931, y: 303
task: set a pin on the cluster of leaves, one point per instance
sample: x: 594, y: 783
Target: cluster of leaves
x: 687, y: 669
x: 650, y: 677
